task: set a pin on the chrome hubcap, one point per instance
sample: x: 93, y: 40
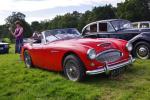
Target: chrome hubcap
x: 72, y: 71
x: 142, y: 51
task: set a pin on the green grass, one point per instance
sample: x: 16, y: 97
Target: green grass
x: 20, y: 83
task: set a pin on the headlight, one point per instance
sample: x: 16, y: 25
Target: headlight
x: 91, y: 54
x: 129, y: 46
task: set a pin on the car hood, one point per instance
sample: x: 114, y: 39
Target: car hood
x: 98, y: 43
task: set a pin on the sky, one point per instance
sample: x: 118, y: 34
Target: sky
x: 40, y: 10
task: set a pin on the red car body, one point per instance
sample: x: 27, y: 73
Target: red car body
x: 51, y: 55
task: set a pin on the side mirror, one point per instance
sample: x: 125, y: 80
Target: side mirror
x: 31, y: 43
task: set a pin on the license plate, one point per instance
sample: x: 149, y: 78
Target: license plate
x: 117, y: 71
x: 1, y: 48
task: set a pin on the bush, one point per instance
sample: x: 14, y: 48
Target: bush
x: 7, y: 40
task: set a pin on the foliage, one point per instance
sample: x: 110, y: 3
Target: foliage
x: 134, y: 10
x: 4, y: 31
x: 85, y: 19
x: 69, y: 20
x: 35, y: 26
x: 6, y: 40
x: 20, y: 83
x: 102, y: 13
x: 27, y: 29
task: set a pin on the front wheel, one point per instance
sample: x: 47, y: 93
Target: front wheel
x: 27, y: 59
x: 74, y: 68
x: 142, y: 50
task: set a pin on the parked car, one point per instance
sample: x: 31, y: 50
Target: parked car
x: 141, y: 24
x: 4, y: 47
x: 65, y: 50
x: 122, y: 29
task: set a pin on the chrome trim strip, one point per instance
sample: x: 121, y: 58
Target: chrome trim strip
x: 109, y: 67
x: 104, y: 43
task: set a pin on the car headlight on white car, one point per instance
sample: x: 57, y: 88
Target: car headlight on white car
x: 91, y: 54
x: 129, y: 46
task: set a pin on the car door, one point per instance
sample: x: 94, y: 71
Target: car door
x: 128, y: 34
x: 37, y: 54
x: 50, y: 54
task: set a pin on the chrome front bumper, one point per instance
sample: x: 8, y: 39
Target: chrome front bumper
x: 108, y: 67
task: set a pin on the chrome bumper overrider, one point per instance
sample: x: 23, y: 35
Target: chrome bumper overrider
x: 107, y: 67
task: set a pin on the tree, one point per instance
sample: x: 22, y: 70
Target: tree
x: 85, y: 19
x: 104, y: 12
x: 134, y: 10
x: 3, y: 31
x: 68, y: 20
x: 35, y: 26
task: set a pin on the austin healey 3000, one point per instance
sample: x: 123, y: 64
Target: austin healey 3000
x: 65, y: 50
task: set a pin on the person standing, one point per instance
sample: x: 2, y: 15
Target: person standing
x: 18, y: 34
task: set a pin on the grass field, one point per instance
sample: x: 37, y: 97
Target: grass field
x: 20, y: 83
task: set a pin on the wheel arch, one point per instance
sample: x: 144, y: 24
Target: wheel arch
x: 135, y: 45
x: 22, y: 53
x: 139, y: 40
x: 70, y: 53
x: 24, y: 49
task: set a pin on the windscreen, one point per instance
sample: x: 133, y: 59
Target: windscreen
x: 121, y: 24
x: 61, y: 34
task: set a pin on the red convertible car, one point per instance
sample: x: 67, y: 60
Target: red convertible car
x: 65, y: 50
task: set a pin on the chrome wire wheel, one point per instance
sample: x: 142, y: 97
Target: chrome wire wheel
x: 27, y: 59
x: 142, y: 51
x: 74, y: 68
x: 72, y: 71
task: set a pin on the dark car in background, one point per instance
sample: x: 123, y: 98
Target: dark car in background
x: 4, y: 47
x: 122, y: 29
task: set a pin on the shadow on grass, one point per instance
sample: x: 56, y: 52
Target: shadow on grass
x: 98, y: 78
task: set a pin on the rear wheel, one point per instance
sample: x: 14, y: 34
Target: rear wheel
x: 142, y: 50
x: 27, y: 59
x: 74, y: 68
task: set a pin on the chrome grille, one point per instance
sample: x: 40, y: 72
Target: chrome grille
x: 109, y: 56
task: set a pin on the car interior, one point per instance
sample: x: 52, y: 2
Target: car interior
x: 144, y: 25
x: 102, y: 27
x: 93, y: 28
